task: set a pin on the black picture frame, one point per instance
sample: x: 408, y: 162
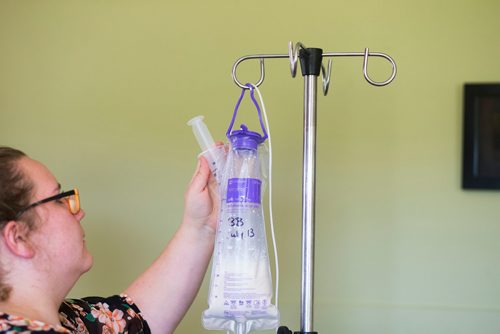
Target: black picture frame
x: 481, y: 136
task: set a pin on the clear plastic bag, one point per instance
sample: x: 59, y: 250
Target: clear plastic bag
x: 241, y: 286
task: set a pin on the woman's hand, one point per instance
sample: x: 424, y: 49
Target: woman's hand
x: 201, y: 198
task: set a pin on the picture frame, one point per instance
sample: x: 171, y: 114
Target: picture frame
x: 481, y: 136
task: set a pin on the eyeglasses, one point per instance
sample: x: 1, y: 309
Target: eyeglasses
x: 71, y: 198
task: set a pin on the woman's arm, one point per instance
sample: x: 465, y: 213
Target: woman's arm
x: 167, y: 288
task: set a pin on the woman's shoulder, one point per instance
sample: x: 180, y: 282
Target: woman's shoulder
x: 115, y: 314
x: 91, y: 315
x: 15, y: 324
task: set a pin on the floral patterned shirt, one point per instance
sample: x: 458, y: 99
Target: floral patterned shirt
x: 91, y: 315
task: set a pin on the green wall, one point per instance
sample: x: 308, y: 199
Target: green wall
x: 101, y: 90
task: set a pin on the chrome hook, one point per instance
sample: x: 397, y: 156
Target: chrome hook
x: 365, y: 66
x: 326, y: 76
x: 262, y: 71
x: 293, y: 55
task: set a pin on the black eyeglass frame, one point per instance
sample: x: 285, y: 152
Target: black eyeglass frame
x: 45, y: 200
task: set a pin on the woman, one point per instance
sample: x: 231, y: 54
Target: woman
x: 43, y: 253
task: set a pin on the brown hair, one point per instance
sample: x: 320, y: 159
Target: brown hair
x: 15, y: 194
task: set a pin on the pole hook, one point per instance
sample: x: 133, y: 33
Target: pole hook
x: 365, y: 68
x: 293, y: 55
x: 326, y: 74
x: 262, y: 72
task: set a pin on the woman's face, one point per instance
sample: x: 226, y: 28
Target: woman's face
x: 58, y: 238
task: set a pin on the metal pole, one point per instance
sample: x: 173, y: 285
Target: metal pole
x: 308, y: 203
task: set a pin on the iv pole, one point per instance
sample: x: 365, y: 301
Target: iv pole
x: 311, y: 66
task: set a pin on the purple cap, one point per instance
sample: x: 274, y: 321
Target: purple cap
x: 245, y: 139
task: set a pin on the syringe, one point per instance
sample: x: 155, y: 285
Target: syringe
x: 214, y: 154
